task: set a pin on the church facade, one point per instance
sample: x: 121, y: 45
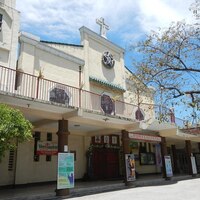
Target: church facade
x: 83, y: 97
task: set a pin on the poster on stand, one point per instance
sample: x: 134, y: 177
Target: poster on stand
x: 130, y: 167
x: 194, y: 167
x: 65, y: 174
x: 168, y: 166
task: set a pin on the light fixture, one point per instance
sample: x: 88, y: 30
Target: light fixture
x: 106, y: 119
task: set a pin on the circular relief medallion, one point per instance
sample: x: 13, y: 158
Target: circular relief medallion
x: 108, y: 60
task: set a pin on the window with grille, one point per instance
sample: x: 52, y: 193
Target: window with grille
x: 11, y: 160
x: 49, y: 138
x: 37, y: 138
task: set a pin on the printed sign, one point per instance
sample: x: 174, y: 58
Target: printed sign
x: 47, y: 148
x: 130, y: 167
x: 194, y: 167
x: 65, y: 177
x: 168, y: 166
x: 142, y: 137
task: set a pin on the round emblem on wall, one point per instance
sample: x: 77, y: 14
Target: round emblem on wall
x: 108, y: 60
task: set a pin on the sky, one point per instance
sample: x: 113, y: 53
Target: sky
x: 128, y: 20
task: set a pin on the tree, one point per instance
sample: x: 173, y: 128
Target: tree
x: 14, y: 128
x: 170, y: 62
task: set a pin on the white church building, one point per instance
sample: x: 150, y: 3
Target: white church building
x: 84, y: 97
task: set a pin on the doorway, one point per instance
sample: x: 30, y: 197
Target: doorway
x: 105, y: 163
x: 182, y: 161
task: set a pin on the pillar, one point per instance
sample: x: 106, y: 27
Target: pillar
x: 199, y: 146
x: 126, y: 150
x: 63, y: 134
x: 188, y: 148
x: 164, y: 153
x: 173, y: 147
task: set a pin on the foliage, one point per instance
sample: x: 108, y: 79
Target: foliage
x: 170, y: 63
x: 13, y: 128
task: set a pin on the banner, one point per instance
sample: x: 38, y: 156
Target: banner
x: 47, y: 148
x: 65, y: 176
x: 130, y: 167
x: 168, y: 166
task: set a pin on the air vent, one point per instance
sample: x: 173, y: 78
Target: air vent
x: 11, y: 161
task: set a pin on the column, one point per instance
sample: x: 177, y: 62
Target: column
x: 199, y: 146
x: 188, y: 148
x: 164, y: 153
x: 126, y: 150
x: 62, y: 133
x: 173, y: 147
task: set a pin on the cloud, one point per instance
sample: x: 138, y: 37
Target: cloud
x: 60, y: 20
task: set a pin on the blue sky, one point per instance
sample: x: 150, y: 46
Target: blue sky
x: 129, y: 20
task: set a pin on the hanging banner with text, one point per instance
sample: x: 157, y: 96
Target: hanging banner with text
x: 168, y: 166
x: 65, y: 176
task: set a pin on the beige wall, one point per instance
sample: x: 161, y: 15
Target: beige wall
x: 53, y: 67
x: 7, y: 177
x: 29, y: 171
x: 9, y: 34
x: 94, y: 47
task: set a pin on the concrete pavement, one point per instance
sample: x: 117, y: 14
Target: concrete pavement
x: 181, y: 190
x: 47, y: 191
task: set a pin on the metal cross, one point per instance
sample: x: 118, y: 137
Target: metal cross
x: 103, y: 27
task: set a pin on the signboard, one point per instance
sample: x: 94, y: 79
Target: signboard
x: 65, y: 176
x: 46, y: 148
x: 130, y: 167
x: 143, y: 137
x: 168, y: 166
x: 194, y: 167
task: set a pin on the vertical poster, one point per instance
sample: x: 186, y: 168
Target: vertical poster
x: 65, y: 176
x: 130, y: 167
x: 168, y: 166
x: 194, y: 167
x: 158, y: 155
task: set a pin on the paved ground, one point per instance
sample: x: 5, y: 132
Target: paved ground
x: 47, y: 191
x: 182, y: 190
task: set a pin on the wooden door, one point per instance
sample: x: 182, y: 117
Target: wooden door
x: 105, y: 163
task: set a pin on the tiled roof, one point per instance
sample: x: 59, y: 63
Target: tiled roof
x: 106, y: 83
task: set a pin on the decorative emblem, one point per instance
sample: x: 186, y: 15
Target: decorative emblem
x: 107, y: 104
x: 108, y: 60
x: 59, y: 96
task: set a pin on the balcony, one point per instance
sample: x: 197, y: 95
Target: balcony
x: 26, y: 86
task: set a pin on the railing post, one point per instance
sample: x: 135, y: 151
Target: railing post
x: 80, y: 87
x: 37, y: 87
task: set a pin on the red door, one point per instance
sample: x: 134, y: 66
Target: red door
x: 105, y: 163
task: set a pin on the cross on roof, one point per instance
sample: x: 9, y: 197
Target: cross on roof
x: 103, y: 27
